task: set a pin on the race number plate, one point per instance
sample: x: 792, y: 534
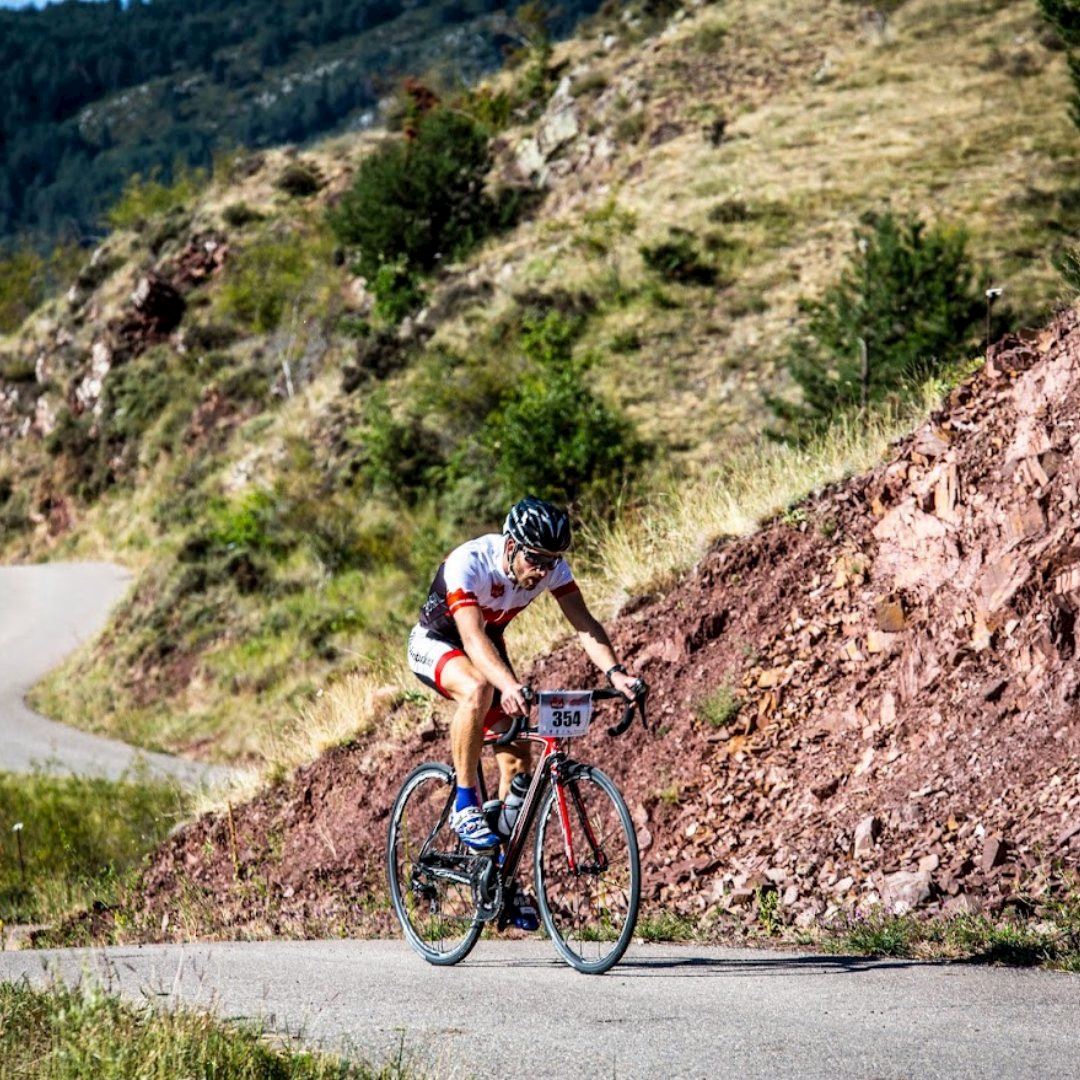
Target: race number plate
x: 564, y: 713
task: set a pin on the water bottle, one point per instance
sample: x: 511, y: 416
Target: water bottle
x: 511, y: 806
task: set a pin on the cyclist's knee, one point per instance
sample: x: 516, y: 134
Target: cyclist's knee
x: 477, y: 693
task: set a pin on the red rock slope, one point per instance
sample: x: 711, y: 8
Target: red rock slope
x: 910, y: 726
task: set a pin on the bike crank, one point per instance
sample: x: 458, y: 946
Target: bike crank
x: 487, y: 887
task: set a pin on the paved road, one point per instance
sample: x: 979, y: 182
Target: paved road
x: 46, y: 611
x: 512, y: 1009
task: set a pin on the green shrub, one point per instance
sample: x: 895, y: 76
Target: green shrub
x: 1064, y: 16
x: 491, y: 110
x: 1067, y: 264
x: 400, y: 456
x: 17, y: 369
x: 239, y: 214
x: 270, y: 276
x: 552, y: 435
x: 420, y: 202
x: 909, y: 292
x: 631, y: 127
x: 397, y: 291
x: 299, y: 180
x: 14, y: 508
x: 148, y: 197
x: 677, y: 259
x: 27, y: 278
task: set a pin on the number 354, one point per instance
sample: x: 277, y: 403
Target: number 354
x: 565, y: 718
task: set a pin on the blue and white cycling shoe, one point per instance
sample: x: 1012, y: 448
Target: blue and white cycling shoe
x: 519, y: 910
x: 473, y: 830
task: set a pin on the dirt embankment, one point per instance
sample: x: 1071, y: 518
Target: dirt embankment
x: 904, y: 650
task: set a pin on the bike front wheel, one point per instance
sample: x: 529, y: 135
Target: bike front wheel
x: 588, y: 871
x: 437, y: 916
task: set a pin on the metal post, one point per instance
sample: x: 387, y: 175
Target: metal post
x: 17, y: 829
x: 864, y: 357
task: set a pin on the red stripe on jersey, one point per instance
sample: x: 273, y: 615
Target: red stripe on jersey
x: 499, y: 618
x: 460, y: 598
x: 563, y: 590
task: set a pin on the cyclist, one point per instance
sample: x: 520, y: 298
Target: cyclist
x: 457, y: 646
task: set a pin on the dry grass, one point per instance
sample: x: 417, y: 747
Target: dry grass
x: 646, y: 551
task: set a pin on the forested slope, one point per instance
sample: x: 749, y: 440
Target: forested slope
x: 93, y: 92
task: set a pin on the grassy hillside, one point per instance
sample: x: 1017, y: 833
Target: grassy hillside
x: 286, y: 466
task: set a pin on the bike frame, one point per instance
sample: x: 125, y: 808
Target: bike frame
x: 556, y: 767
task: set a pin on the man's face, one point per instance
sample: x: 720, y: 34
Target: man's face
x: 527, y: 574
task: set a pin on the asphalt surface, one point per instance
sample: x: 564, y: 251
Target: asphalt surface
x: 512, y: 1009
x: 46, y: 611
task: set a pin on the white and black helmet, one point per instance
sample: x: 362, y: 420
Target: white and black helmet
x: 539, y: 525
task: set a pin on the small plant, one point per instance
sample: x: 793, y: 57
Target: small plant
x: 592, y: 82
x: 677, y: 259
x: 768, y: 910
x: 397, y: 291
x: 271, y: 275
x: 631, y: 127
x: 299, y: 180
x: 876, y: 933
x: 720, y: 707
x: 239, y: 214
x: 710, y: 38
x: 666, y: 926
x: 671, y: 794
x: 148, y: 197
x: 1067, y: 264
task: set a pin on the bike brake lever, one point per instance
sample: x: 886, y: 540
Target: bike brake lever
x: 518, y: 722
x: 628, y: 716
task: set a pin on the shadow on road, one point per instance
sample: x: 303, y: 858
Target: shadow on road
x: 703, y: 967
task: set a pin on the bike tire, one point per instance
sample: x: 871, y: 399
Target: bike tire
x: 574, y: 919
x: 424, y: 798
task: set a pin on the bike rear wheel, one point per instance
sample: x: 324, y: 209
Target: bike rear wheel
x: 589, y: 911
x: 437, y: 916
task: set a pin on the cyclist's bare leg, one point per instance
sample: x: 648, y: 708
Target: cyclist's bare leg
x: 473, y: 697
x: 472, y: 694
x: 512, y: 760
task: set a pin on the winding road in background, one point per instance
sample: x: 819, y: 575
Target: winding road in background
x: 46, y: 611
x: 512, y: 1009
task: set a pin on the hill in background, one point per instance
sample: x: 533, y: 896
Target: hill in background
x: 222, y: 401
x: 91, y: 93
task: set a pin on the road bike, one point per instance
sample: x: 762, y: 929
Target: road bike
x: 586, y: 866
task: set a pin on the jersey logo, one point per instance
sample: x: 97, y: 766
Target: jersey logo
x: 497, y: 590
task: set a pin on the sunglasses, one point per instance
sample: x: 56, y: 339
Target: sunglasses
x: 539, y: 561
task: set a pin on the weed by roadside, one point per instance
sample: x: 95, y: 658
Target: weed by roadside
x: 67, y: 1034
x: 1050, y: 938
x: 69, y: 841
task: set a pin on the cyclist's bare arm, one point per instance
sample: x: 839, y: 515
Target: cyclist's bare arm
x: 594, y: 639
x: 485, y: 657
